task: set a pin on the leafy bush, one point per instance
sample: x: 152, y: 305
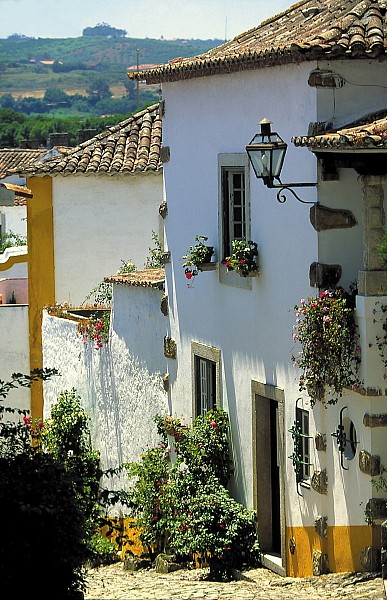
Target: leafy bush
x: 49, y: 483
x: 155, y: 258
x: 186, y: 509
x: 10, y: 239
x: 104, y: 551
x: 210, y: 525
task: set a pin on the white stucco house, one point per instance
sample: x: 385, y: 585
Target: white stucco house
x: 91, y: 208
x: 311, y: 70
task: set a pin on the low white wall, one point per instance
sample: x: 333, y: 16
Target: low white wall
x: 14, y: 350
x: 120, y: 391
x: 18, y: 269
x: 15, y: 219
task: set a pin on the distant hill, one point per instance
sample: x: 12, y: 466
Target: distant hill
x: 29, y: 66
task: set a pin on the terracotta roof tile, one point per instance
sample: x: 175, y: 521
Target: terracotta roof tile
x: 12, y: 159
x: 20, y: 190
x: 308, y: 30
x: 368, y: 133
x: 20, y: 201
x: 132, y: 146
x: 153, y: 278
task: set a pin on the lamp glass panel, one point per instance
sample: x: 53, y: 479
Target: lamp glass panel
x: 277, y: 157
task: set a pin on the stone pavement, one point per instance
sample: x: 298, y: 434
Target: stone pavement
x: 113, y: 582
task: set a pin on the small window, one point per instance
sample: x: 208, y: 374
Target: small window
x: 234, y: 200
x: 303, y: 450
x: 206, y: 384
x: 233, y: 207
x: 205, y: 377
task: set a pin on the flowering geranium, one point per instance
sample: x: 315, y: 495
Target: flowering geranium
x: 197, y: 255
x: 95, y: 329
x: 330, y: 354
x: 243, y: 258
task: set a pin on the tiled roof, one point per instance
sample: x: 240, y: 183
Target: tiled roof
x: 14, y: 159
x: 132, y: 146
x: 20, y: 190
x: 368, y: 133
x: 308, y: 30
x: 153, y: 278
x: 20, y: 201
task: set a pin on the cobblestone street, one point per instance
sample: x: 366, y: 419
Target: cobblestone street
x: 115, y: 583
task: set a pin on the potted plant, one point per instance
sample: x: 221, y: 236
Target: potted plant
x: 243, y: 259
x: 197, y: 256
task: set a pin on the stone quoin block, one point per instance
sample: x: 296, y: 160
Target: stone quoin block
x: 321, y: 526
x: 320, y: 563
x: 370, y: 558
x: 320, y: 440
x: 322, y: 218
x: 169, y: 347
x: 369, y: 464
x: 319, y: 481
x: 370, y: 420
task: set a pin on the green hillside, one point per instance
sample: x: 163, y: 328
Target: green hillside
x: 29, y: 66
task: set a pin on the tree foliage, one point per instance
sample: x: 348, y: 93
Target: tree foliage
x: 49, y: 486
x: 104, y: 30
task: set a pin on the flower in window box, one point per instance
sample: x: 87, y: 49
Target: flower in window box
x: 198, y: 255
x: 243, y: 260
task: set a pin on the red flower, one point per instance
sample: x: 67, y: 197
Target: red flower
x: 242, y: 261
x: 188, y: 274
x: 228, y: 263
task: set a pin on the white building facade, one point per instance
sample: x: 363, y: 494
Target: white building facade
x: 233, y: 335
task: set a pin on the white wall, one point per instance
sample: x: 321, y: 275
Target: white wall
x: 252, y: 327
x: 121, y: 389
x: 15, y: 219
x: 363, y: 92
x: 15, y: 357
x: 343, y: 246
x: 98, y: 222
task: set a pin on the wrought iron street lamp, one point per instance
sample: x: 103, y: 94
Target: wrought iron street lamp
x: 266, y: 152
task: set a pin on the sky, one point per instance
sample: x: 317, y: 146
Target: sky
x: 187, y: 19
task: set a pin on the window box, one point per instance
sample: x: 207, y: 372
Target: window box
x: 243, y: 259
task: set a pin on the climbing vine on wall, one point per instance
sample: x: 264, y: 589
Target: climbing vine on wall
x: 330, y: 353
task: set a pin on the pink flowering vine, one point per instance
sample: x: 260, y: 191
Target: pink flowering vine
x: 330, y: 354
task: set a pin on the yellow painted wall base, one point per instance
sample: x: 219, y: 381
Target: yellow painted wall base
x: 125, y: 536
x: 343, y: 545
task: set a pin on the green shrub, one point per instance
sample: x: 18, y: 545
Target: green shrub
x: 49, y: 485
x: 10, y: 239
x: 186, y: 509
x: 104, y: 551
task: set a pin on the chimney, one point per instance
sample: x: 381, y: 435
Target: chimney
x: 29, y: 144
x: 58, y: 139
x: 85, y: 134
